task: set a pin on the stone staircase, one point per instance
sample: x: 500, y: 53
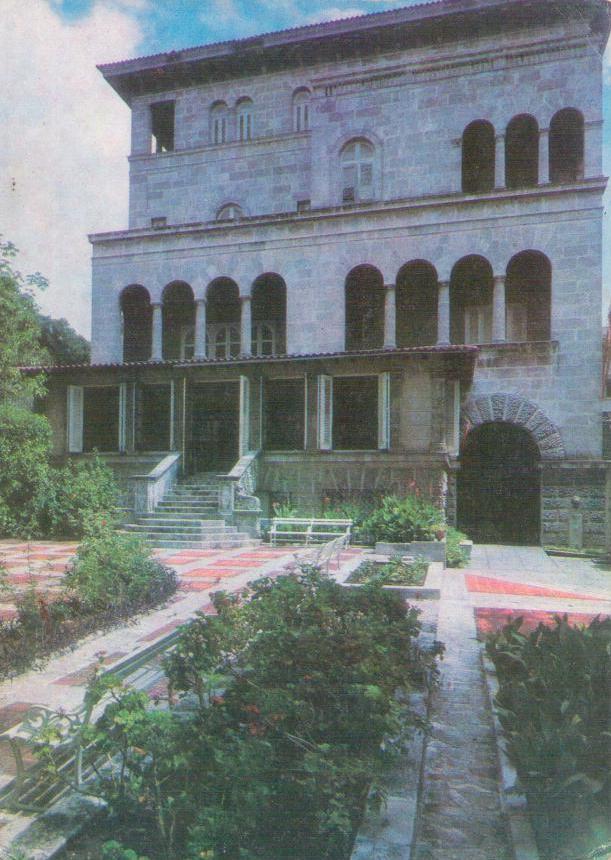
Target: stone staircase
x: 188, y: 518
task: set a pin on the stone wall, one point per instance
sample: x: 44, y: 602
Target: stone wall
x: 559, y: 485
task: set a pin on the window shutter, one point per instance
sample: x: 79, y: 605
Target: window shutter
x: 75, y: 419
x: 122, y: 416
x: 244, y: 443
x: 384, y: 411
x: 325, y: 413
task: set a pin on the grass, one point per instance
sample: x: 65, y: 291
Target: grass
x: 394, y: 572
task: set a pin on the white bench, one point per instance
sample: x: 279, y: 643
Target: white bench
x: 308, y: 530
x: 322, y: 555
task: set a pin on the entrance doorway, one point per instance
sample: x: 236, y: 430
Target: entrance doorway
x: 499, y: 485
x: 215, y: 419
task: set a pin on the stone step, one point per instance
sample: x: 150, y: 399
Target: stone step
x: 186, y: 507
x: 183, y: 519
x: 235, y: 542
x: 156, y: 528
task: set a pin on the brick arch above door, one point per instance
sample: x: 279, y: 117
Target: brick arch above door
x: 512, y: 409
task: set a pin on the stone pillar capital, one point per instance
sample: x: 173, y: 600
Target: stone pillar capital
x: 245, y: 298
x: 443, y: 285
x: 201, y: 302
x: 499, y: 279
x: 390, y: 286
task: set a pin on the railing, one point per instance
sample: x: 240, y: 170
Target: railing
x: 237, y: 499
x: 148, y: 490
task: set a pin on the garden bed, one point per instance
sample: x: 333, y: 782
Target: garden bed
x: 551, y: 694
x: 289, y: 693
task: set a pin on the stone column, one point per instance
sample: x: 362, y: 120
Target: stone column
x: 443, y: 312
x: 390, y: 317
x: 498, y: 310
x: 499, y: 161
x: 157, y: 343
x: 543, y: 156
x: 200, y: 329
x: 245, y: 327
x: 592, y: 149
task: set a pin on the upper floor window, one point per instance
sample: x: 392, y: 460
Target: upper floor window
x: 301, y: 110
x: 162, y: 127
x: 218, y: 121
x: 229, y: 212
x: 357, y: 160
x: 244, y: 110
x: 522, y: 152
x: 566, y: 146
x: 478, y: 157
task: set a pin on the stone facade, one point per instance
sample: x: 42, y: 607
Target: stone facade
x: 376, y: 175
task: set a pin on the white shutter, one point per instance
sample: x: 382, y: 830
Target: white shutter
x: 325, y: 412
x: 384, y: 411
x: 75, y: 419
x: 244, y: 416
x: 122, y: 416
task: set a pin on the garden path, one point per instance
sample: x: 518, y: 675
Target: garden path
x: 460, y: 817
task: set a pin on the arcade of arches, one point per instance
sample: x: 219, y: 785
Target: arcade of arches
x: 475, y: 306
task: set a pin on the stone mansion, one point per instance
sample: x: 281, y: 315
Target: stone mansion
x: 363, y: 256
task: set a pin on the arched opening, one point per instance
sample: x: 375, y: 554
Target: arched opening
x: 229, y: 212
x: 219, y: 114
x: 364, y: 308
x: 471, y: 288
x: 137, y: 318
x: 244, y: 114
x: 357, y: 163
x: 499, y: 485
x: 223, y: 319
x: 522, y: 152
x: 528, y: 290
x: 478, y: 157
x: 416, y: 298
x: 301, y: 109
x: 566, y: 146
x: 269, y: 315
x: 178, y: 321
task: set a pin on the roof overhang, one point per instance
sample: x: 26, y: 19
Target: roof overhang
x: 409, y: 27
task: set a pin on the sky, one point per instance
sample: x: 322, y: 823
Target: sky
x: 65, y: 140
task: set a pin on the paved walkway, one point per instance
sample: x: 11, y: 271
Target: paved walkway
x: 460, y: 815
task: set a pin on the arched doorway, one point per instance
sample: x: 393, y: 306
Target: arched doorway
x: 499, y: 485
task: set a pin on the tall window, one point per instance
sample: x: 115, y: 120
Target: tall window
x: 269, y: 315
x: 364, y: 296
x: 301, y: 110
x: 223, y: 319
x: 136, y: 315
x: 284, y: 414
x: 178, y: 321
x: 101, y: 418
x: 218, y: 120
x: 478, y: 157
x: 522, y: 152
x: 245, y: 119
x: 357, y: 160
x: 162, y: 127
x: 566, y: 146
x: 471, y: 287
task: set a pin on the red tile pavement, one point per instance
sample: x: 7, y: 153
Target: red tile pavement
x: 160, y: 631
x: 12, y: 714
x: 85, y: 673
x: 489, y: 620
x: 490, y: 585
x: 239, y: 562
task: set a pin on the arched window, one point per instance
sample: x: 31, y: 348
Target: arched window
x: 416, y: 297
x: 137, y: 319
x: 566, y: 146
x: 223, y: 313
x: 471, y: 287
x: 528, y: 289
x: 244, y: 112
x: 522, y: 152
x: 178, y: 321
x: 364, y: 308
x: 269, y: 315
x: 218, y: 122
x: 229, y: 212
x: 301, y: 110
x: 357, y: 160
x: 478, y: 157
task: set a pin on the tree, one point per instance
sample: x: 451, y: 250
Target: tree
x: 20, y: 329
x: 62, y: 342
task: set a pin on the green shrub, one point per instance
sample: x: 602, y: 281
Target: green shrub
x: 554, y: 703
x: 114, y: 571
x: 113, y: 850
x: 394, y: 572
x: 287, y: 695
x: 358, y: 512
x: 79, y: 494
x: 404, y: 520
x: 25, y: 445
x: 455, y: 554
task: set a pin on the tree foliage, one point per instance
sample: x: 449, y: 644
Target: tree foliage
x: 63, y: 344
x: 19, y: 323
